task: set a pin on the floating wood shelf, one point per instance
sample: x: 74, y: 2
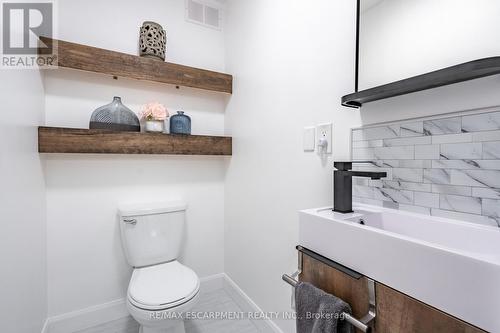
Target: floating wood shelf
x: 84, y: 141
x: 454, y: 74
x: 92, y: 59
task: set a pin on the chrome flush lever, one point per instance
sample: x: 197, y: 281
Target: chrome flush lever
x: 130, y: 221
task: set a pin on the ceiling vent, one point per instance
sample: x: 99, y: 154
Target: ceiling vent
x: 209, y: 15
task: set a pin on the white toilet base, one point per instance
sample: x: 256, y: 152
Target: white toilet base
x: 177, y: 328
x: 162, y: 321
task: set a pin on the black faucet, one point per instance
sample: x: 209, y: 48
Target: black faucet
x: 342, y: 184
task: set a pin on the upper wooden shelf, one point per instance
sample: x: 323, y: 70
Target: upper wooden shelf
x: 84, y: 141
x: 454, y: 74
x: 93, y: 59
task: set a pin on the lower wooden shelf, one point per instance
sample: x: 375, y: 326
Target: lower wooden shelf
x: 84, y: 141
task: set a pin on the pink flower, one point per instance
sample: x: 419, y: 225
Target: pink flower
x: 154, y: 111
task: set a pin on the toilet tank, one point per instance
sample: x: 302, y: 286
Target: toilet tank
x: 152, y: 233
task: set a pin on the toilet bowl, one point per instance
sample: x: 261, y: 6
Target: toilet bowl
x: 159, y: 296
x: 161, y: 290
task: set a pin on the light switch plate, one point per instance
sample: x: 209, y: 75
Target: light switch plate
x: 309, y: 142
x: 325, y: 131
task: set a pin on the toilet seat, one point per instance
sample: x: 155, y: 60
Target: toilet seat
x: 163, y: 286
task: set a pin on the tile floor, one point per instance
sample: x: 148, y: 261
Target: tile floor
x: 213, y: 301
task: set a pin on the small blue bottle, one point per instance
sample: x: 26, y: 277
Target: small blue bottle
x: 180, y: 123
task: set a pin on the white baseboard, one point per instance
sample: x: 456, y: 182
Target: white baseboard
x: 248, y: 305
x: 212, y: 282
x: 88, y: 317
x: 117, y: 309
x: 45, y: 328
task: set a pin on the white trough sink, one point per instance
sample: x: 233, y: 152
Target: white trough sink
x: 451, y: 265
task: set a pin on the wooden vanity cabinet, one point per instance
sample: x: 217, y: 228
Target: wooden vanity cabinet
x: 396, y: 312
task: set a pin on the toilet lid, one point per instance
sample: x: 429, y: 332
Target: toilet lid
x: 163, y: 286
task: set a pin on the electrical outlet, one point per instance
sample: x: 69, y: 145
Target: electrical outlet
x: 324, y: 131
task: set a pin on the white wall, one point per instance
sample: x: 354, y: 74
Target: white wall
x: 23, y: 278
x: 291, y: 60
x: 86, y: 266
x: 400, y: 39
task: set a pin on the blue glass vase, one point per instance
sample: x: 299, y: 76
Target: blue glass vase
x: 180, y: 123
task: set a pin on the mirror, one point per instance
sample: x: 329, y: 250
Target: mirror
x: 399, y: 39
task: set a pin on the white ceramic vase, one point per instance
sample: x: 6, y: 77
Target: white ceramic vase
x: 166, y: 124
x: 155, y: 126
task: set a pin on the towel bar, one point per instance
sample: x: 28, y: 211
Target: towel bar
x: 363, y: 323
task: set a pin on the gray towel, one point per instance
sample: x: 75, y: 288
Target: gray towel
x: 319, y: 312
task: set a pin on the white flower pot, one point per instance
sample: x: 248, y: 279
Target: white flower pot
x: 154, y: 126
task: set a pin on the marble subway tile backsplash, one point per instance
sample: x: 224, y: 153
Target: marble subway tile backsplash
x: 412, y: 129
x: 443, y: 126
x: 461, y: 151
x: 481, y: 122
x: 447, y: 167
x: 427, y: 152
x: 389, y: 153
x: 460, y: 203
x: 491, y: 150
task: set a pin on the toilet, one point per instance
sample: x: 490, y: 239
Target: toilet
x: 161, y: 289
